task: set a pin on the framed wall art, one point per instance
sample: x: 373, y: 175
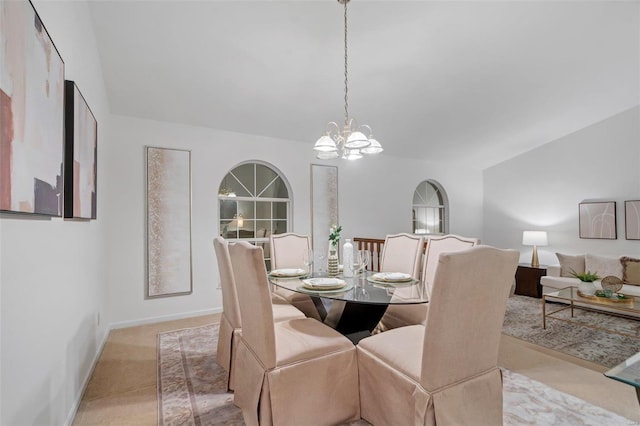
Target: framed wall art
x: 598, y: 220
x: 80, y: 156
x: 324, y: 210
x: 632, y: 219
x: 31, y: 114
x: 168, y: 222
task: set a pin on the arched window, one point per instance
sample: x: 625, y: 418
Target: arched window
x: 430, y: 209
x: 254, y: 203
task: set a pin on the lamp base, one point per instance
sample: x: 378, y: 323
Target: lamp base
x: 534, y: 257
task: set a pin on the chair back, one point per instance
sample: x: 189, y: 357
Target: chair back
x: 230, y: 306
x: 438, y: 245
x: 466, y: 311
x: 288, y: 250
x: 254, y: 298
x: 402, y: 253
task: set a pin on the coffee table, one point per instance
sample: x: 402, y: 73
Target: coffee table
x: 627, y: 372
x: 570, y: 295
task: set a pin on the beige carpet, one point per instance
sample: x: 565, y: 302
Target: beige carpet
x: 191, y: 389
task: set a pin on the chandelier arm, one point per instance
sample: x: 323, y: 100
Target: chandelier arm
x: 332, y: 126
x: 366, y: 126
x: 346, y: 79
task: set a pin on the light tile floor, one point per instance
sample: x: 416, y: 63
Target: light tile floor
x: 122, y: 389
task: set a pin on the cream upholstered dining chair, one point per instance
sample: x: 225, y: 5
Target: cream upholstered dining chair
x: 288, y: 250
x: 438, y: 245
x: 291, y: 372
x: 444, y: 372
x: 400, y: 253
x: 402, y: 315
x: 230, y: 323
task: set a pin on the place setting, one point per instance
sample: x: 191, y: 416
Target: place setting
x: 390, y: 278
x: 289, y: 273
x: 324, y: 285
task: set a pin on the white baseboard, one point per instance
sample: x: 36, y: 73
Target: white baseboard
x: 152, y: 320
x: 85, y: 381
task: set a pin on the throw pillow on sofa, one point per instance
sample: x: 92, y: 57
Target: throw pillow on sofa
x: 631, y: 270
x: 603, y: 266
x: 570, y: 263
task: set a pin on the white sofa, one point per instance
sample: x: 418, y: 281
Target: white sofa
x: 559, y: 277
x: 553, y: 281
x: 625, y: 268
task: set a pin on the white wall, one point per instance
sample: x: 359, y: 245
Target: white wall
x: 53, y: 272
x: 375, y: 199
x: 541, y: 189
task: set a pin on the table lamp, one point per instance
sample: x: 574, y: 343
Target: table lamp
x: 535, y: 239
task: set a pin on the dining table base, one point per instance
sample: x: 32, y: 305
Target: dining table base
x: 354, y: 320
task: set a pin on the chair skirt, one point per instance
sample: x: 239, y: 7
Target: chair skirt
x: 227, y: 341
x: 321, y: 391
x: 390, y: 396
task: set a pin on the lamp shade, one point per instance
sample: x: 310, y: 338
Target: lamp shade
x: 325, y: 144
x: 327, y: 155
x: 374, y: 148
x: 356, y: 140
x: 352, y: 154
x: 534, y: 238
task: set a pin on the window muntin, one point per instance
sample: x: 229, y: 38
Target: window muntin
x: 253, y: 203
x: 429, y: 209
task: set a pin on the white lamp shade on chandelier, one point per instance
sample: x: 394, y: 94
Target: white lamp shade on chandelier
x: 350, y: 142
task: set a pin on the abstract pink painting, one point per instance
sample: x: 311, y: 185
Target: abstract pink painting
x: 81, y: 142
x: 31, y: 113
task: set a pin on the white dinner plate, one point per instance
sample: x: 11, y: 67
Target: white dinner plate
x: 304, y: 289
x: 392, y: 277
x: 323, y: 283
x: 290, y: 272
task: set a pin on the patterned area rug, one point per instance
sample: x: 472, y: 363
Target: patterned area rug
x: 192, y: 388
x: 192, y: 391
x: 523, y: 320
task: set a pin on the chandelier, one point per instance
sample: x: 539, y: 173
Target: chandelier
x: 352, y: 141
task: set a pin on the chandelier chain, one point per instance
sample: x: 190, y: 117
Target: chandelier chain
x: 349, y: 143
x: 346, y: 79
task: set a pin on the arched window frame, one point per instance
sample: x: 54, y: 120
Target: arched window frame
x: 249, y: 209
x: 427, y: 208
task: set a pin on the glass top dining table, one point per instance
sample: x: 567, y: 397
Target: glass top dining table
x: 361, y: 289
x: 355, y: 309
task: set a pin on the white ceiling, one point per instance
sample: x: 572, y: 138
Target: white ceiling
x: 471, y: 81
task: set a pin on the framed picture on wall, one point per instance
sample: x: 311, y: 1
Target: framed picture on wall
x: 168, y: 222
x: 31, y: 114
x: 80, y: 156
x: 598, y: 220
x: 324, y: 210
x: 632, y: 219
